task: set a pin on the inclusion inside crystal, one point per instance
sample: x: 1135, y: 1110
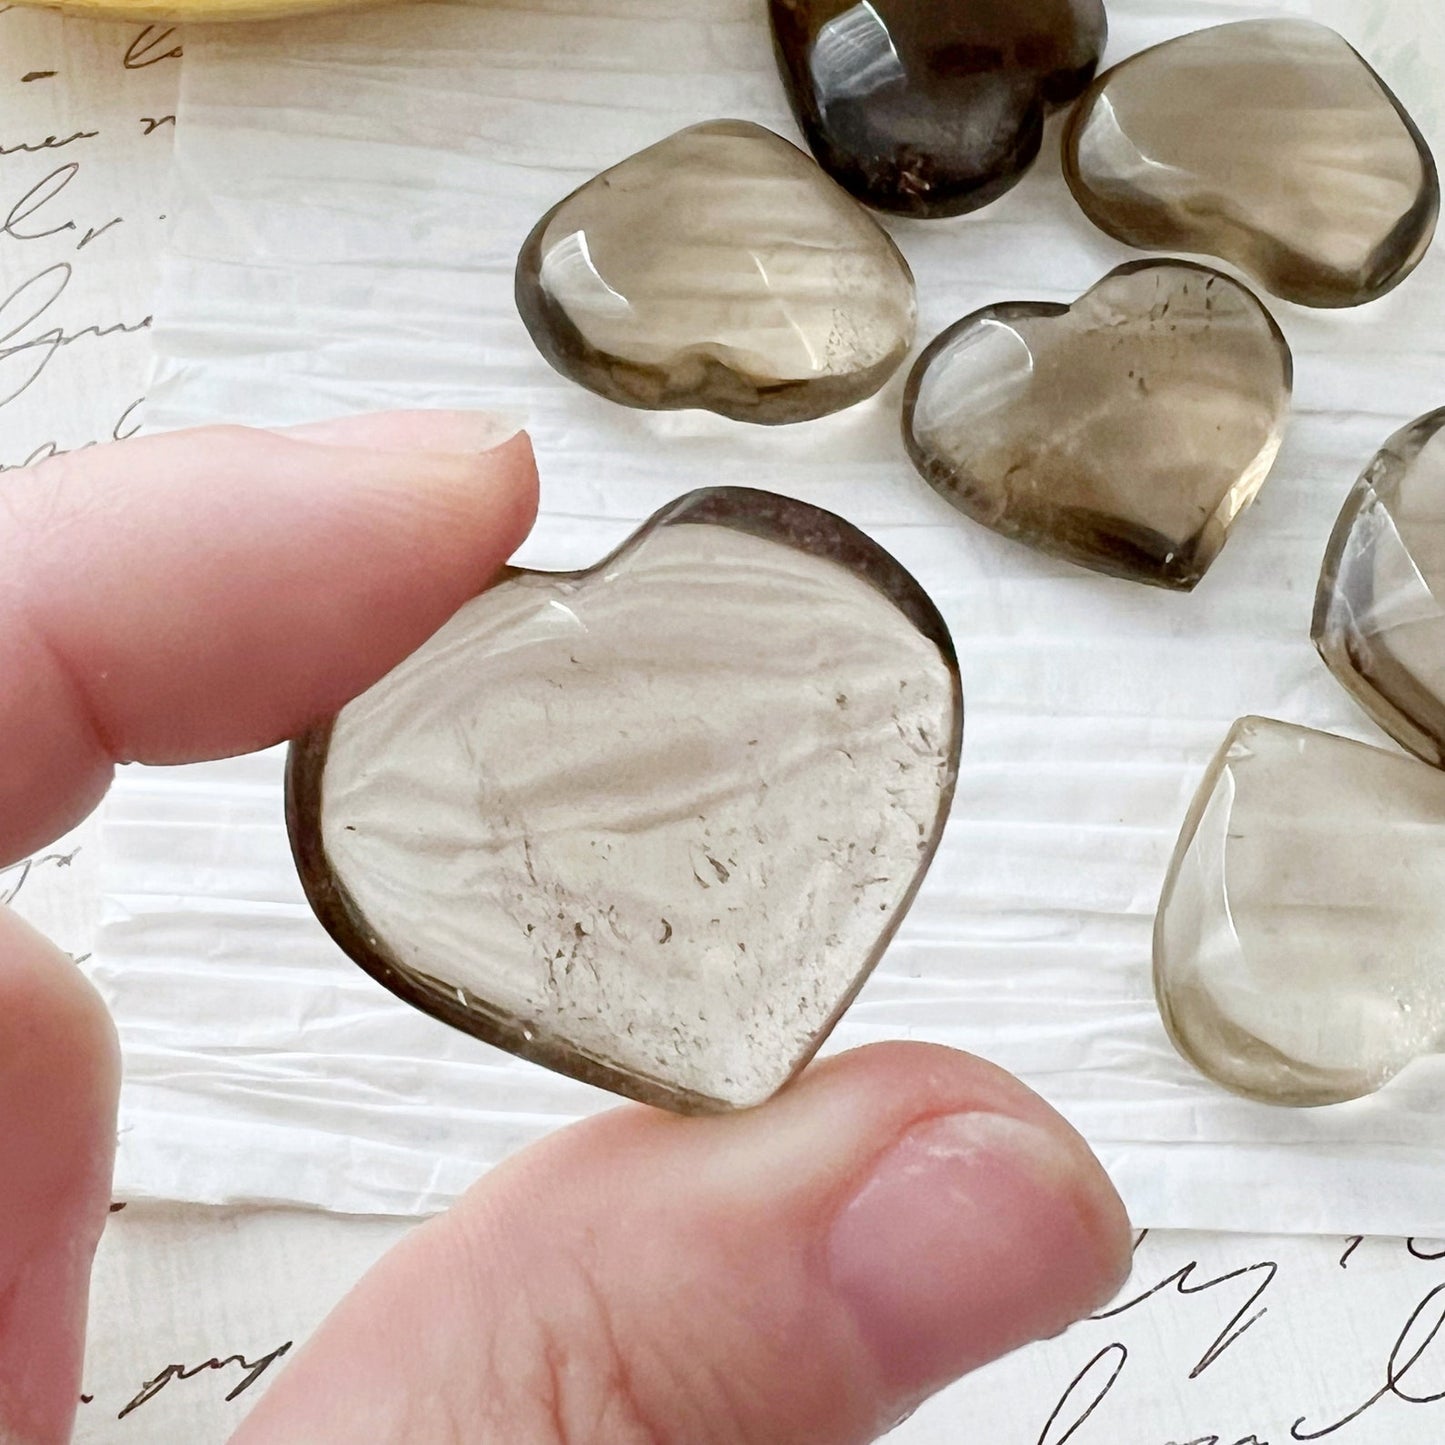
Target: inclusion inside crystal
x: 654, y: 823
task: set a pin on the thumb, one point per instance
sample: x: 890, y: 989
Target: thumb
x: 805, y: 1272
x: 59, y: 1082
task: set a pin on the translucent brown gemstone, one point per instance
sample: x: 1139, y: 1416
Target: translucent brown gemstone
x: 1380, y: 611
x: 932, y: 109
x: 654, y: 823
x: 1126, y: 432
x: 718, y: 269
x: 1299, y: 942
x: 1268, y: 143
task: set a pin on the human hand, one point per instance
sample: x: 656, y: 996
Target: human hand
x: 805, y: 1272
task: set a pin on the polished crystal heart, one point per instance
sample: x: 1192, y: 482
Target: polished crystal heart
x: 1268, y: 143
x: 1299, y: 951
x: 719, y: 269
x: 1126, y: 432
x: 650, y: 824
x: 932, y: 109
x: 1380, y: 611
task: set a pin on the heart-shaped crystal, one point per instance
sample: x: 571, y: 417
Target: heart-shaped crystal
x: 1380, y: 611
x: 1126, y: 432
x: 932, y: 109
x: 651, y: 824
x: 718, y: 269
x: 1268, y: 143
x: 1298, y: 947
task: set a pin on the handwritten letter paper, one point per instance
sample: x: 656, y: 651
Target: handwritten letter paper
x: 87, y: 116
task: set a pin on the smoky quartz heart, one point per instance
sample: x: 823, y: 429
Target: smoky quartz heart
x: 651, y: 824
x: 722, y: 270
x: 1298, y: 945
x: 1270, y: 144
x: 1126, y: 432
x: 1379, y: 617
x: 932, y: 109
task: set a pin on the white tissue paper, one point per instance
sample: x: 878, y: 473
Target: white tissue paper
x: 352, y: 193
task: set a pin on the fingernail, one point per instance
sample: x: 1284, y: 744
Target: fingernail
x: 451, y: 432
x: 975, y: 1234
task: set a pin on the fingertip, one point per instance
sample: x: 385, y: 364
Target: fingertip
x: 199, y: 594
x: 448, y: 431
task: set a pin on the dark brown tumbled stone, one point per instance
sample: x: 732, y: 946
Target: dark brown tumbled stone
x: 719, y: 269
x: 932, y: 109
x: 1268, y: 143
x: 1126, y: 432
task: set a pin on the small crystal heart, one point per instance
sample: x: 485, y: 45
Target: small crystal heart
x: 1126, y: 433
x: 1380, y: 610
x: 932, y: 109
x: 1297, y: 945
x: 1270, y: 144
x: 654, y: 823
x: 719, y: 269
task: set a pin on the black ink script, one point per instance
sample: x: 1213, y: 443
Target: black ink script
x: 17, y: 875
x: 148, y: 48
x: 1185, y: 1285
x: 37, y: 198
x: 1085, y: 1393
x: 24, y: 357
x: 50, y: 143
x: 1423, y: 1326
x: 126, y: 426
x: 254, y: 1370
x: 1220, y: 1440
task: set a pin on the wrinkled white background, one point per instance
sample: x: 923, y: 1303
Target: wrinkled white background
x: 352, y: 195
x: 181, y: 1286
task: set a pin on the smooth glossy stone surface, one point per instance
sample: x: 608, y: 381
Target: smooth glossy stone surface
x: 718, y: 269
x: 1268, y: 143
x: 1299, y: 951
x: 932, y: 109
x: 654, y: 823
x: 1380, y: 611
x: 1126, y: 432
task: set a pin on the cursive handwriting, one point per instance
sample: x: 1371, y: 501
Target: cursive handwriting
x: 20, y: 873
x: 1250, y: 1439
x: 40, y: 195
x: 146, y: 50
x: 1185, y: 1285
x: 1430, y: 1311
x: 50, y: 143
x: 25, y: 306
x: 254, y: 1370
x: 126, y: 426
x: 1109, y: 1361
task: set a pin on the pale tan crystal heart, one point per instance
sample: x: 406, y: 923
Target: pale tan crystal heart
x: 719, y: 269
x: 1299, y: 950
x: 1267, y: 143
x: 1380, y: 611
x: 654, y: 823
x: 1126, y: 432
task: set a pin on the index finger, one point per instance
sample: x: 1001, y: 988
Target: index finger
x: 205, y: 593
